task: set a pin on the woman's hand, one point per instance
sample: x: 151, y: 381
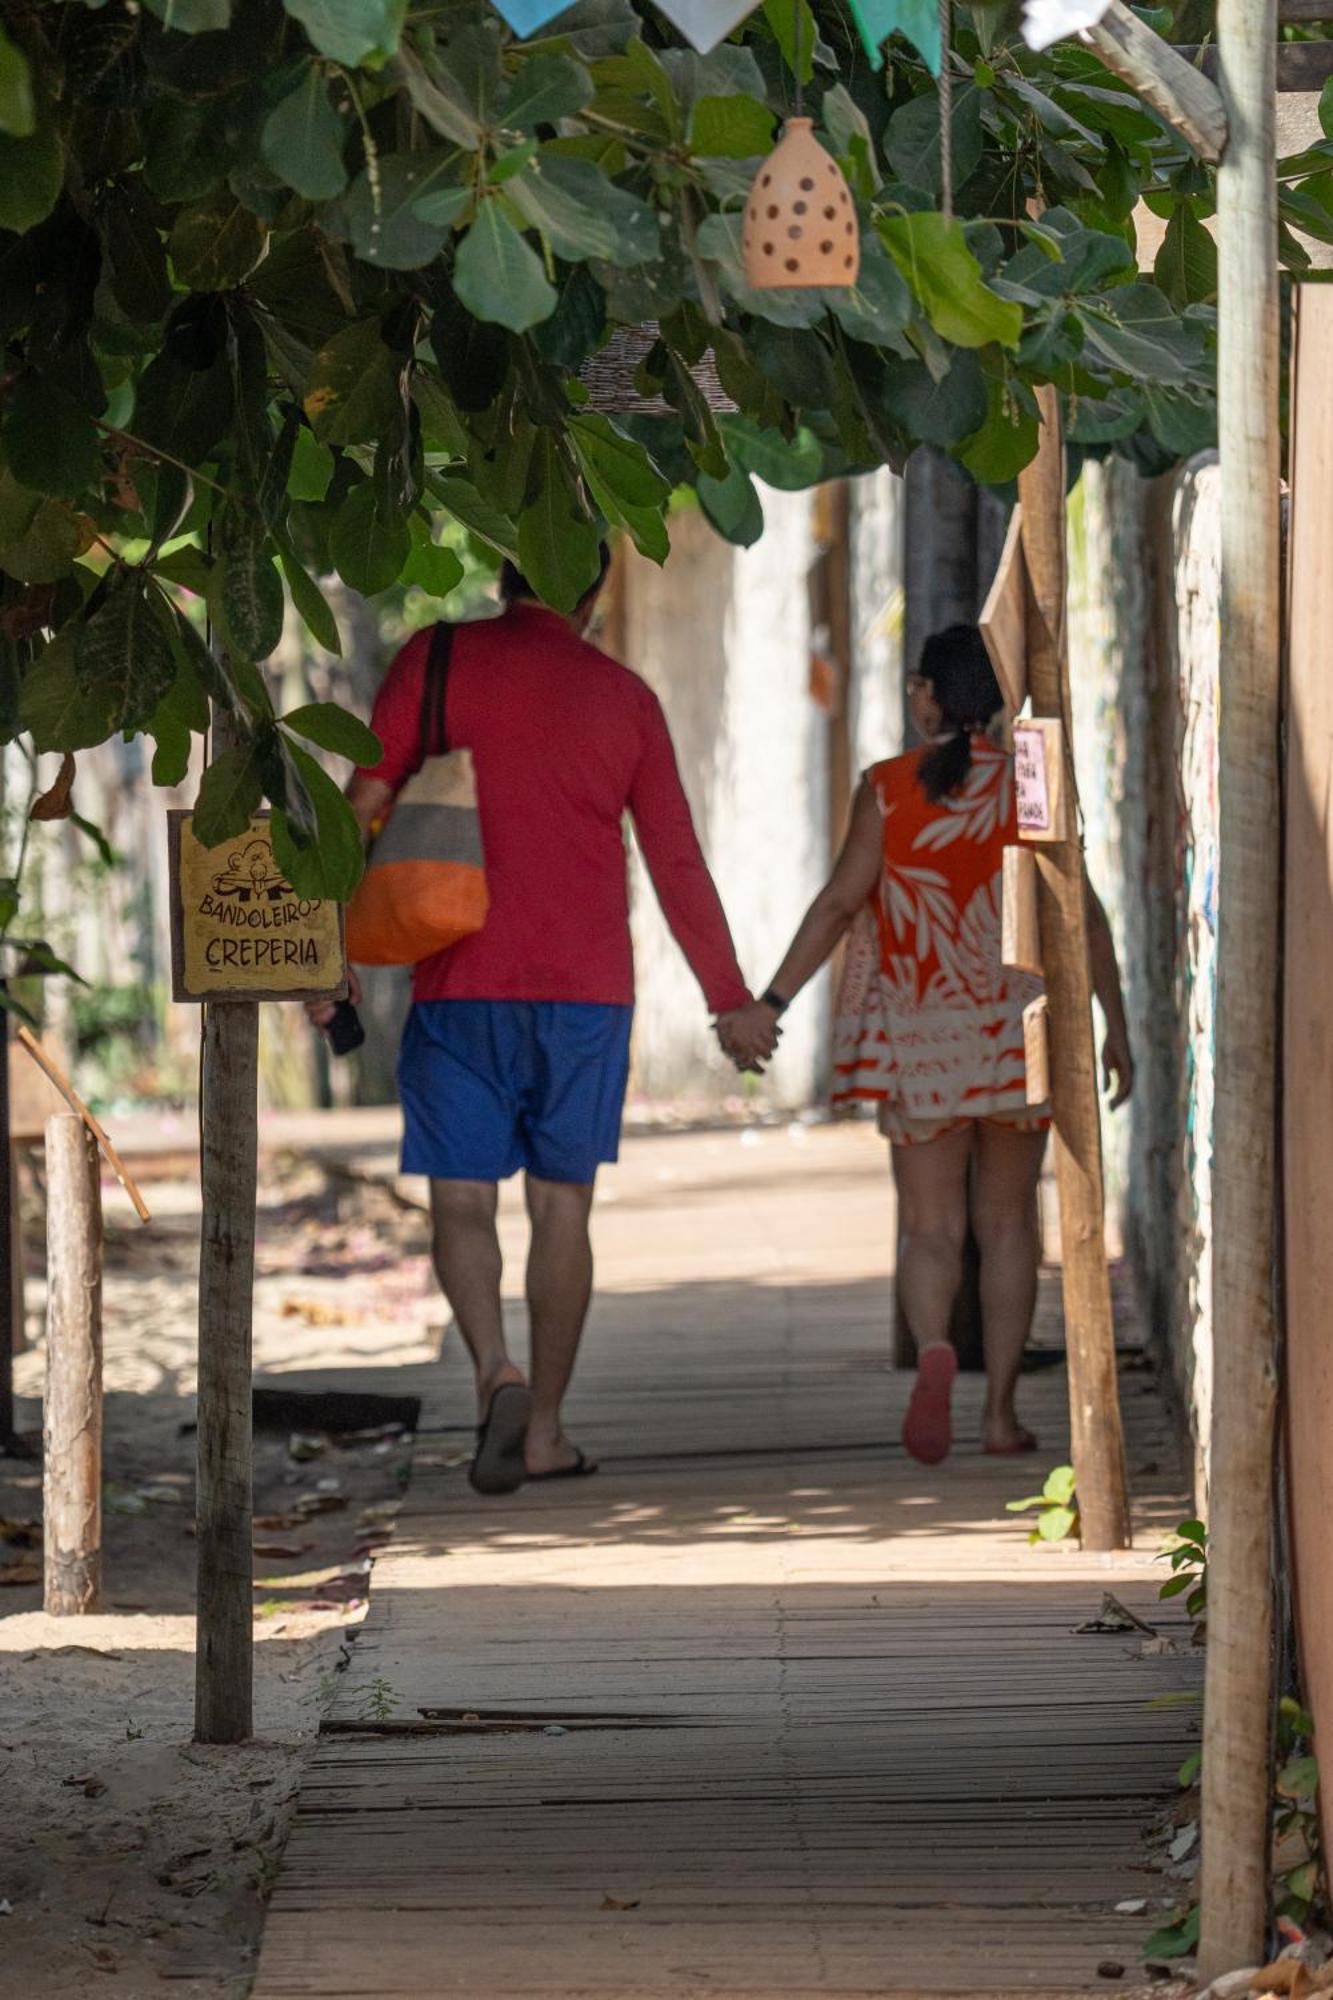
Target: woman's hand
x: 1117, y: 1064
x: 321, y: 1012
x: 749, y: 1035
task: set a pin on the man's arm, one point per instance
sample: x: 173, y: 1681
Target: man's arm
x: 1117, y: 1057
x: 370, y: 799
x: 690, y: 902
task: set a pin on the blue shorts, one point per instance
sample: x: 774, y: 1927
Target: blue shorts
x: 492, y: 1086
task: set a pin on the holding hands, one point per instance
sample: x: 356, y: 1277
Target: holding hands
x: 749, y: 1035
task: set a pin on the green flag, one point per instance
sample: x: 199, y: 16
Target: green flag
x: 919, y: 20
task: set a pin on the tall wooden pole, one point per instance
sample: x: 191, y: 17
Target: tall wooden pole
x: 1094, y: 1393
x: 1238, y: 1688
x: 223, y: 1696
x: 72, y: 1409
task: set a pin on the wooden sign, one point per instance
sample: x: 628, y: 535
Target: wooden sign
x: 1004, y: 621
x: 1037, y: 1051
x: 1039, y: 779
x: 239, y: 931
x: 1020, y: 930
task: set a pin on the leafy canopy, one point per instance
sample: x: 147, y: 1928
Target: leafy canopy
x: 280, y: 284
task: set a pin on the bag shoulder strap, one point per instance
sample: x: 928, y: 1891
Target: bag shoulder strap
x: 433, y: 728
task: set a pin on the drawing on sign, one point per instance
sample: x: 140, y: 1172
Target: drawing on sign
x: 1038, y: 778
x: 239, y: 929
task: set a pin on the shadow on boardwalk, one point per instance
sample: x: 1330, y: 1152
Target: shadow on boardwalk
x: 765, y: 1708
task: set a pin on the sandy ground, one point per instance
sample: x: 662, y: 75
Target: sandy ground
x: 132, y: 1855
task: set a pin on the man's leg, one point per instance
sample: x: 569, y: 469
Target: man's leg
x: 559, y: 1291
x: 466, y: 1251
x: 1004, y: 1216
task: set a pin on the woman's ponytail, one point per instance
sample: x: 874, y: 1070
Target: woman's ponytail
x: 967, y: 694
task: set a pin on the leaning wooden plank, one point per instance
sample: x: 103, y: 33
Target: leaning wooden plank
x: 1190, y: 104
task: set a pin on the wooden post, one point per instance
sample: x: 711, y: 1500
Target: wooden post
x: 1237, y: 1796
x: 224, y: 1501
x: 72, y: 1413
x: 1094, y: 1398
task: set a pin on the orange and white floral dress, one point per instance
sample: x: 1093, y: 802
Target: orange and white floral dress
x: 929, y: 1022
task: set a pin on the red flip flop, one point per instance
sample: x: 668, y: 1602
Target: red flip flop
x: 927, y: 1427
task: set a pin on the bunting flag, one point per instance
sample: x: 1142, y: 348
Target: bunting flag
x: 1048, y: 21
x: 919, y: 20
x: 526, y: 16
x: 705, y: 23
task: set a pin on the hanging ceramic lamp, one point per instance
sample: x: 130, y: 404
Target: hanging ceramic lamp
x: 800, y: 221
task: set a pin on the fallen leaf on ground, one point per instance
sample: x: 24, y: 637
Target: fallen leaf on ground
x: 615, y: 1903
x: 23, y: 1569
x: 1134, y: 1906
x: 275, y: 1523
x: 1115, y: 1617
x: 315, y: 1312
x: 282, y: 1548
x: 88, y: 1783
x: 303, y: 1447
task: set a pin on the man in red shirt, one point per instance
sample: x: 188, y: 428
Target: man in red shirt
x: 516, y: 1052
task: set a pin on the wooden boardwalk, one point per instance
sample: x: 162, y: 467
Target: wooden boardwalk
x: 764, y: 1709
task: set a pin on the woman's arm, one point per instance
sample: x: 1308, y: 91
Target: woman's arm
x: 749, y: 1034
x: 1117, y: 1057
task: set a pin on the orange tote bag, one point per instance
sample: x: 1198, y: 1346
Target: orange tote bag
x: 425, y: 882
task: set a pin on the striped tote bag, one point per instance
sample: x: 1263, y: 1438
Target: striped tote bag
x: 425, y: 882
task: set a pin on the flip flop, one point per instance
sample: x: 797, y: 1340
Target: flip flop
x: 497, y: 1465
x: 927, y: 1427
x: 1021, y: 1446
x: 582, y: 1468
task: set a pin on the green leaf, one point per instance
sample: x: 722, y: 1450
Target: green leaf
x: 332, y: 728
x: 937, y: 412
x: 311, y: 468
x: 230, y: 795
x: 304, y: 136
x: 546, y: 89
x: 192, y: 17
x: 249, y: 593
x: 1326, y: 109
x: 124, y: 650
x: 431, y: 567
x: 738, y: 128
x: 913, y: 141
x: 460, y: 498
x: 140, y: 280
x: 32, y: 173
x: 441, y: 100
x: 1024, y: 1506
x: 1188, y: 1774
x: 370, y: 541
x: 58, y: 709
x: 171, y: 758
x: 791, y: 464
x: 557, y: 543
x: 51, y: 440
x: 623, y: 481
x: 333, y: 864
x: 1060, y: 1484
x: 1175, y: 1586
x: 878, y: 305
x: 498, y: 276
x: 1136, y: 332
x: 311, y: 605
x: 18, y: 114
x: 216, y: 243
x: 1006, y: 442
x: 733, y: 506
x: 1174, y: 1940
x: 39, y: 538
x: 583, y: 214
x: 1298, y: 1779
x: 350, y: 30
x: 1056, y: 1523
x: 793, y: 27
x: 1186, y: 265
x: 849, y: 129
x: 933, y: 256
x: 354, y: 395
x: 383, y: 213
x: 442, y: 207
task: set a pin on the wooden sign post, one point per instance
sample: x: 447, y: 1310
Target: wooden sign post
x: 240, y: 935
x: 72, y: 1408
x: 1094, y: 1397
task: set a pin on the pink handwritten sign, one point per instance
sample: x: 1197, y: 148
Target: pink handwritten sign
x: 1035, y: 817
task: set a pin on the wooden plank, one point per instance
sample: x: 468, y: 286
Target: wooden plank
x: 72, y: 1406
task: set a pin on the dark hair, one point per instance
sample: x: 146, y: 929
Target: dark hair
x: 515, y: 588
x: 963, y: 682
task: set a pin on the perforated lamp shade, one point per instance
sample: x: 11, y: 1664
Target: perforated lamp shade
x: 800, y: 223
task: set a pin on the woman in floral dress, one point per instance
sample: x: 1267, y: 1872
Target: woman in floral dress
x: 930, y: 1027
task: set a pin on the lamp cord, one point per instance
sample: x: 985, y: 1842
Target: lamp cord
x: 946, y: 114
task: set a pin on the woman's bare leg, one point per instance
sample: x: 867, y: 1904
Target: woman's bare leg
x: 1004, y: 1219
x: 932, y: 1214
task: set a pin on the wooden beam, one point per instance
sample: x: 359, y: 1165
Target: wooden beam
x: 1190, y: 103
x: 1094, y: 1397
x: 1237, y: 1795
x: 1300, y: 65
x: 1304, y: 13
x: 72, y: 1409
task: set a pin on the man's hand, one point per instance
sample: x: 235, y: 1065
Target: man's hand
x: 1117, y: 1065
x: 321, y: 1012
x: 749, y: 1035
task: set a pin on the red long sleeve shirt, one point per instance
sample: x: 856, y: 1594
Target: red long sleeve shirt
x: 565, y: 742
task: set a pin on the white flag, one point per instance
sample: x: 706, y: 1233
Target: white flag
x: 705, y: 23
x: 1048, y: 21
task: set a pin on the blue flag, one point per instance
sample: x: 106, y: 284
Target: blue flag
x: 919, y: 20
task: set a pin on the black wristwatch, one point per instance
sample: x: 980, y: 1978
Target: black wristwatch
x: 775, y: 1001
